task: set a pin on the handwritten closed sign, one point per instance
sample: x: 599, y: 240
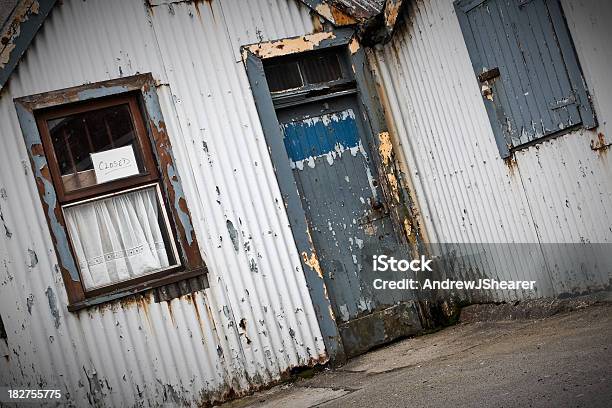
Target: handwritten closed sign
x: 114, y: 164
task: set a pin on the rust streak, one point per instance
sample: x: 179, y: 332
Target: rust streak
x: 600, y: 144
x: 392, y: 9
x: 512, y: 165
x: 339, y: 17
x: 144, y: 306
x: 394, y: 184
x: 197, y: 312
x: 171, y: 313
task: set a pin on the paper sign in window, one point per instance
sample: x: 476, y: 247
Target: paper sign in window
x: 114, y: 164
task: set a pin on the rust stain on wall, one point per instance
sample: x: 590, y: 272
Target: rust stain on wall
x: 171, y: 313
x: 341, y: 18
x: 394, y: 184
x: 511, y: 163
x: 333, y: 14
x: 392, y: 10
x: 600, y: 144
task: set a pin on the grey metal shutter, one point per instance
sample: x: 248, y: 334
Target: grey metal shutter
x: 527, y: 68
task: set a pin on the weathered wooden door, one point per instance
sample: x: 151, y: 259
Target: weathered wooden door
x: 331, y: 159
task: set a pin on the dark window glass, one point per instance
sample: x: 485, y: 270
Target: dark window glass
x: 320, y: 68
x: 310, y: 68
x: 76, y: 136
x: 283, y: 76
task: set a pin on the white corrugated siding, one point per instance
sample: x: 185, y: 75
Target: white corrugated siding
x: 190, y: 349
x: 557, y: 192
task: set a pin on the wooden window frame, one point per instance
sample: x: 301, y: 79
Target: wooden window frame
x: 151, y: 174
x: 102, y: 290
x: 139, y: 92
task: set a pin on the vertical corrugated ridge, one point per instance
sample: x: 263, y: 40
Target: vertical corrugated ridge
x: 242, y: 218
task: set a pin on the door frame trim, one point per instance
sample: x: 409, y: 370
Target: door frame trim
x: 367, y: 98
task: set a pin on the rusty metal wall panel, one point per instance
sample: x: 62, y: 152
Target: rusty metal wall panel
x: 556, y: 192
x: 256, y: 321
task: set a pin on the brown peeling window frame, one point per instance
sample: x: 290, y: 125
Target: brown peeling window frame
x: 138, y: 93
x: 150, y: 175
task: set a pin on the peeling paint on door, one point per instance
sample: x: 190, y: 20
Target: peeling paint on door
x: 349, y: 220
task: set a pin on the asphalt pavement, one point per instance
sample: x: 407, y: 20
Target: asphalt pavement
x: 559, y: 361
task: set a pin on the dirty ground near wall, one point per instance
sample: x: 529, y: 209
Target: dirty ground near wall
x: 559, y: 357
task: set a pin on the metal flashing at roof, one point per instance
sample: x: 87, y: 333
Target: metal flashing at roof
x: 360, y: 9
x: 352, y: 10
x: 375, y: 20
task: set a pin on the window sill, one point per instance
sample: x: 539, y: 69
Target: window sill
x: 135, y: 289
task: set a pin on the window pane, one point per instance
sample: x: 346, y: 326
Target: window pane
x: 319, y: 68
x: 283, y: 76
x: 75, y: 137
x: 120, y: 237
x: 291, y: 72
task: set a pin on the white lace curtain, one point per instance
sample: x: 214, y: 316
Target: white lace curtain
x: 117, y: 238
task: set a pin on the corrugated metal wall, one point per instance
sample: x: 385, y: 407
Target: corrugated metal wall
x: 193, y: 349
x: 190, y: 349
x: 557, y: 192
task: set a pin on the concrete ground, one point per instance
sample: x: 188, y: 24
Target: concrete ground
x: 559, y: 361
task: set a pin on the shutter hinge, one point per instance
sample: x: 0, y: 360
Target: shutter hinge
x: 561, y: 103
